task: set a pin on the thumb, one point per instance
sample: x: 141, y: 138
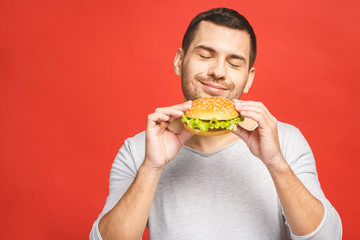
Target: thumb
x: 242, y: 133
x: 184, y: 135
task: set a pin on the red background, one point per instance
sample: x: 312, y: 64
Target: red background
x: 78, y: 77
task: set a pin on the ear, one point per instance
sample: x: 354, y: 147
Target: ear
x: 178, y: 61
x: 249, y: 80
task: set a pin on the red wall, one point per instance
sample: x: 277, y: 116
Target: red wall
x: 78, y: 77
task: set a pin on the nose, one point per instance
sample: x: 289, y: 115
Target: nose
x: 218, y: 70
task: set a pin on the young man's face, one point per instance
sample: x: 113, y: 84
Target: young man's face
x: 216, y: 63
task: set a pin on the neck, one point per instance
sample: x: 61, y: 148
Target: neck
x: 204, y: 144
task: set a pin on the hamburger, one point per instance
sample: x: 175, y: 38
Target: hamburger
x: 213, y: 116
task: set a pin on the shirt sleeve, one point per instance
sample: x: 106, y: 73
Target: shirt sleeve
x: 301, y: 160
x: 122, y: 174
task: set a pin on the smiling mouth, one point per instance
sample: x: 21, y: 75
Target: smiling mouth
x: 214, y: 87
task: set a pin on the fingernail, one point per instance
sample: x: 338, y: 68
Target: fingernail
x: 238, y: 105
x: 188, y: 103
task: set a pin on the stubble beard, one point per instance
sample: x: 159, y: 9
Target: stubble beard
x: 189, y: 91
x: 189, y: 88
x: 192, y: 92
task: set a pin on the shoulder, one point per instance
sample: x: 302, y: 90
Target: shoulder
x: 136, y: 143
x: 137, y: 139
x: 287, y: 129
x: 288, y: 136
x: 293, y: 144
x: 133, y: 148
x: 287, y: 132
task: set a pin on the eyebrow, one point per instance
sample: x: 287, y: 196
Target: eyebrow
x: 240, y: 57
x: 206, y: 48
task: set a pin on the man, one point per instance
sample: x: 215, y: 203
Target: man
x: 243, y: 185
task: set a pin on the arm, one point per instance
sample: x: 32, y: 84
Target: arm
x: 303, y: 211
x: 127, y: 219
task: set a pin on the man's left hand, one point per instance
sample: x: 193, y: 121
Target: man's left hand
x: 263, y: 142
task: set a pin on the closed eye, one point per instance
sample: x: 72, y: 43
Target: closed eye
x: 233, y: 65
x: 205, y: 57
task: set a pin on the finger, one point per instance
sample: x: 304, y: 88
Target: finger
x: 237, y: 101
x: 262, y: 121
x: 253, y: 109
x: 258, y: 105
x: 183, y: 106
x: 175, y: 110
x: 254, y: 106
x: 169, y: 111
x: 249, y: 103
x: 155, y: 118
x: 243, y: 134
x: 184, y: 136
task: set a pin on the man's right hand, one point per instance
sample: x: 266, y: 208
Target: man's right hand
x: 127, y: 219
x: 162, y: 145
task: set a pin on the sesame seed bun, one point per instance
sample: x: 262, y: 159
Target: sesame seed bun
x: 212, y: 107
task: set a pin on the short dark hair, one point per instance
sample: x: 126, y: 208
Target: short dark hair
x: 224, y: 17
